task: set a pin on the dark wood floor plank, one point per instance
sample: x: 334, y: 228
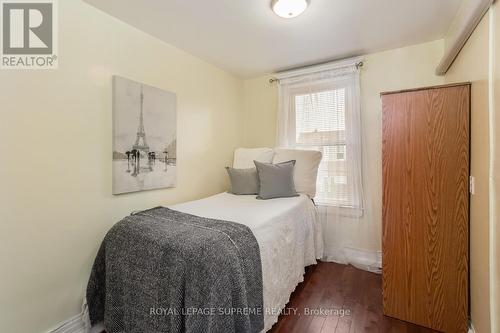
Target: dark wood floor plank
x: 331, y: 286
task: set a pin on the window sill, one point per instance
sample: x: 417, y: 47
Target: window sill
x: 345, y: 211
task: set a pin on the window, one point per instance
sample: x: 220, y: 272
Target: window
x: 320, y: 125
x: 321, y: 111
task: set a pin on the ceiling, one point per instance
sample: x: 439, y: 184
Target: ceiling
x: 246, y: 38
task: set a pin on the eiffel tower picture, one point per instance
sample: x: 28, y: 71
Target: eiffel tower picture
x: 144, y: 137
x: 140, y: 142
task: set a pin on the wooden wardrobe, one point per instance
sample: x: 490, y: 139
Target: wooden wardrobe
x: 425, y: 241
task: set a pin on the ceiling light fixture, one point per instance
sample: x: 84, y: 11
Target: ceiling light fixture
x: 289, y: 8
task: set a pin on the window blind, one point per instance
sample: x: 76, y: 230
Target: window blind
x: 320, y: 125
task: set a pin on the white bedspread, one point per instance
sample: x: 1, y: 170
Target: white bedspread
x: 288, y: 232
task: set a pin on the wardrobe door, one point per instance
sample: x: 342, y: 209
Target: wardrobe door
x: 426, y: 206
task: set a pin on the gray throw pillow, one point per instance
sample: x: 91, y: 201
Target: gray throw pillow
x: 276, y: 180
x: 243, y: 181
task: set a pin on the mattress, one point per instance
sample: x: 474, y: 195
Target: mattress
x: 288, y: 232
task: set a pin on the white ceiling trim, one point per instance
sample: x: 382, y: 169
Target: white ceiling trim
x: 462, y: 27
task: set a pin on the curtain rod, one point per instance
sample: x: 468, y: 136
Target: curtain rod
x: 358, y: 66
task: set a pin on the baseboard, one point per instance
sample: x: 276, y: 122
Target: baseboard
x: 471, y: 328
x: 72, y: 325
x: 366, y: 260
x: 76, y: 324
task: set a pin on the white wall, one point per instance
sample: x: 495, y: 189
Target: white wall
x: 402, y: 68
x: 55, y: 147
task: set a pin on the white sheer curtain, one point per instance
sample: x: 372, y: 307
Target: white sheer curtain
x: 321, y: 110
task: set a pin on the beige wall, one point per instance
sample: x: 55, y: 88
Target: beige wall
x: 260, y: 105
x: 390, y: 70
x: 55, y: 148
x: 495, y: 172
x: 472, y: 65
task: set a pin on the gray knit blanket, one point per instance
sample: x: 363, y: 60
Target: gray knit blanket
x: 165, y: 271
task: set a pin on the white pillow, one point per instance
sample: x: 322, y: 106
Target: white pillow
x: 306, y: 168
x: 244, y: 157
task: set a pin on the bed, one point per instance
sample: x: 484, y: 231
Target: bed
x: 226, y: 251
x: 288, y: 233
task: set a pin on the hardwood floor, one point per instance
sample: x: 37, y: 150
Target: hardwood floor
x: 333, y: 287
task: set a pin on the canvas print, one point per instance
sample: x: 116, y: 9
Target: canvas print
x: 144, y: 137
